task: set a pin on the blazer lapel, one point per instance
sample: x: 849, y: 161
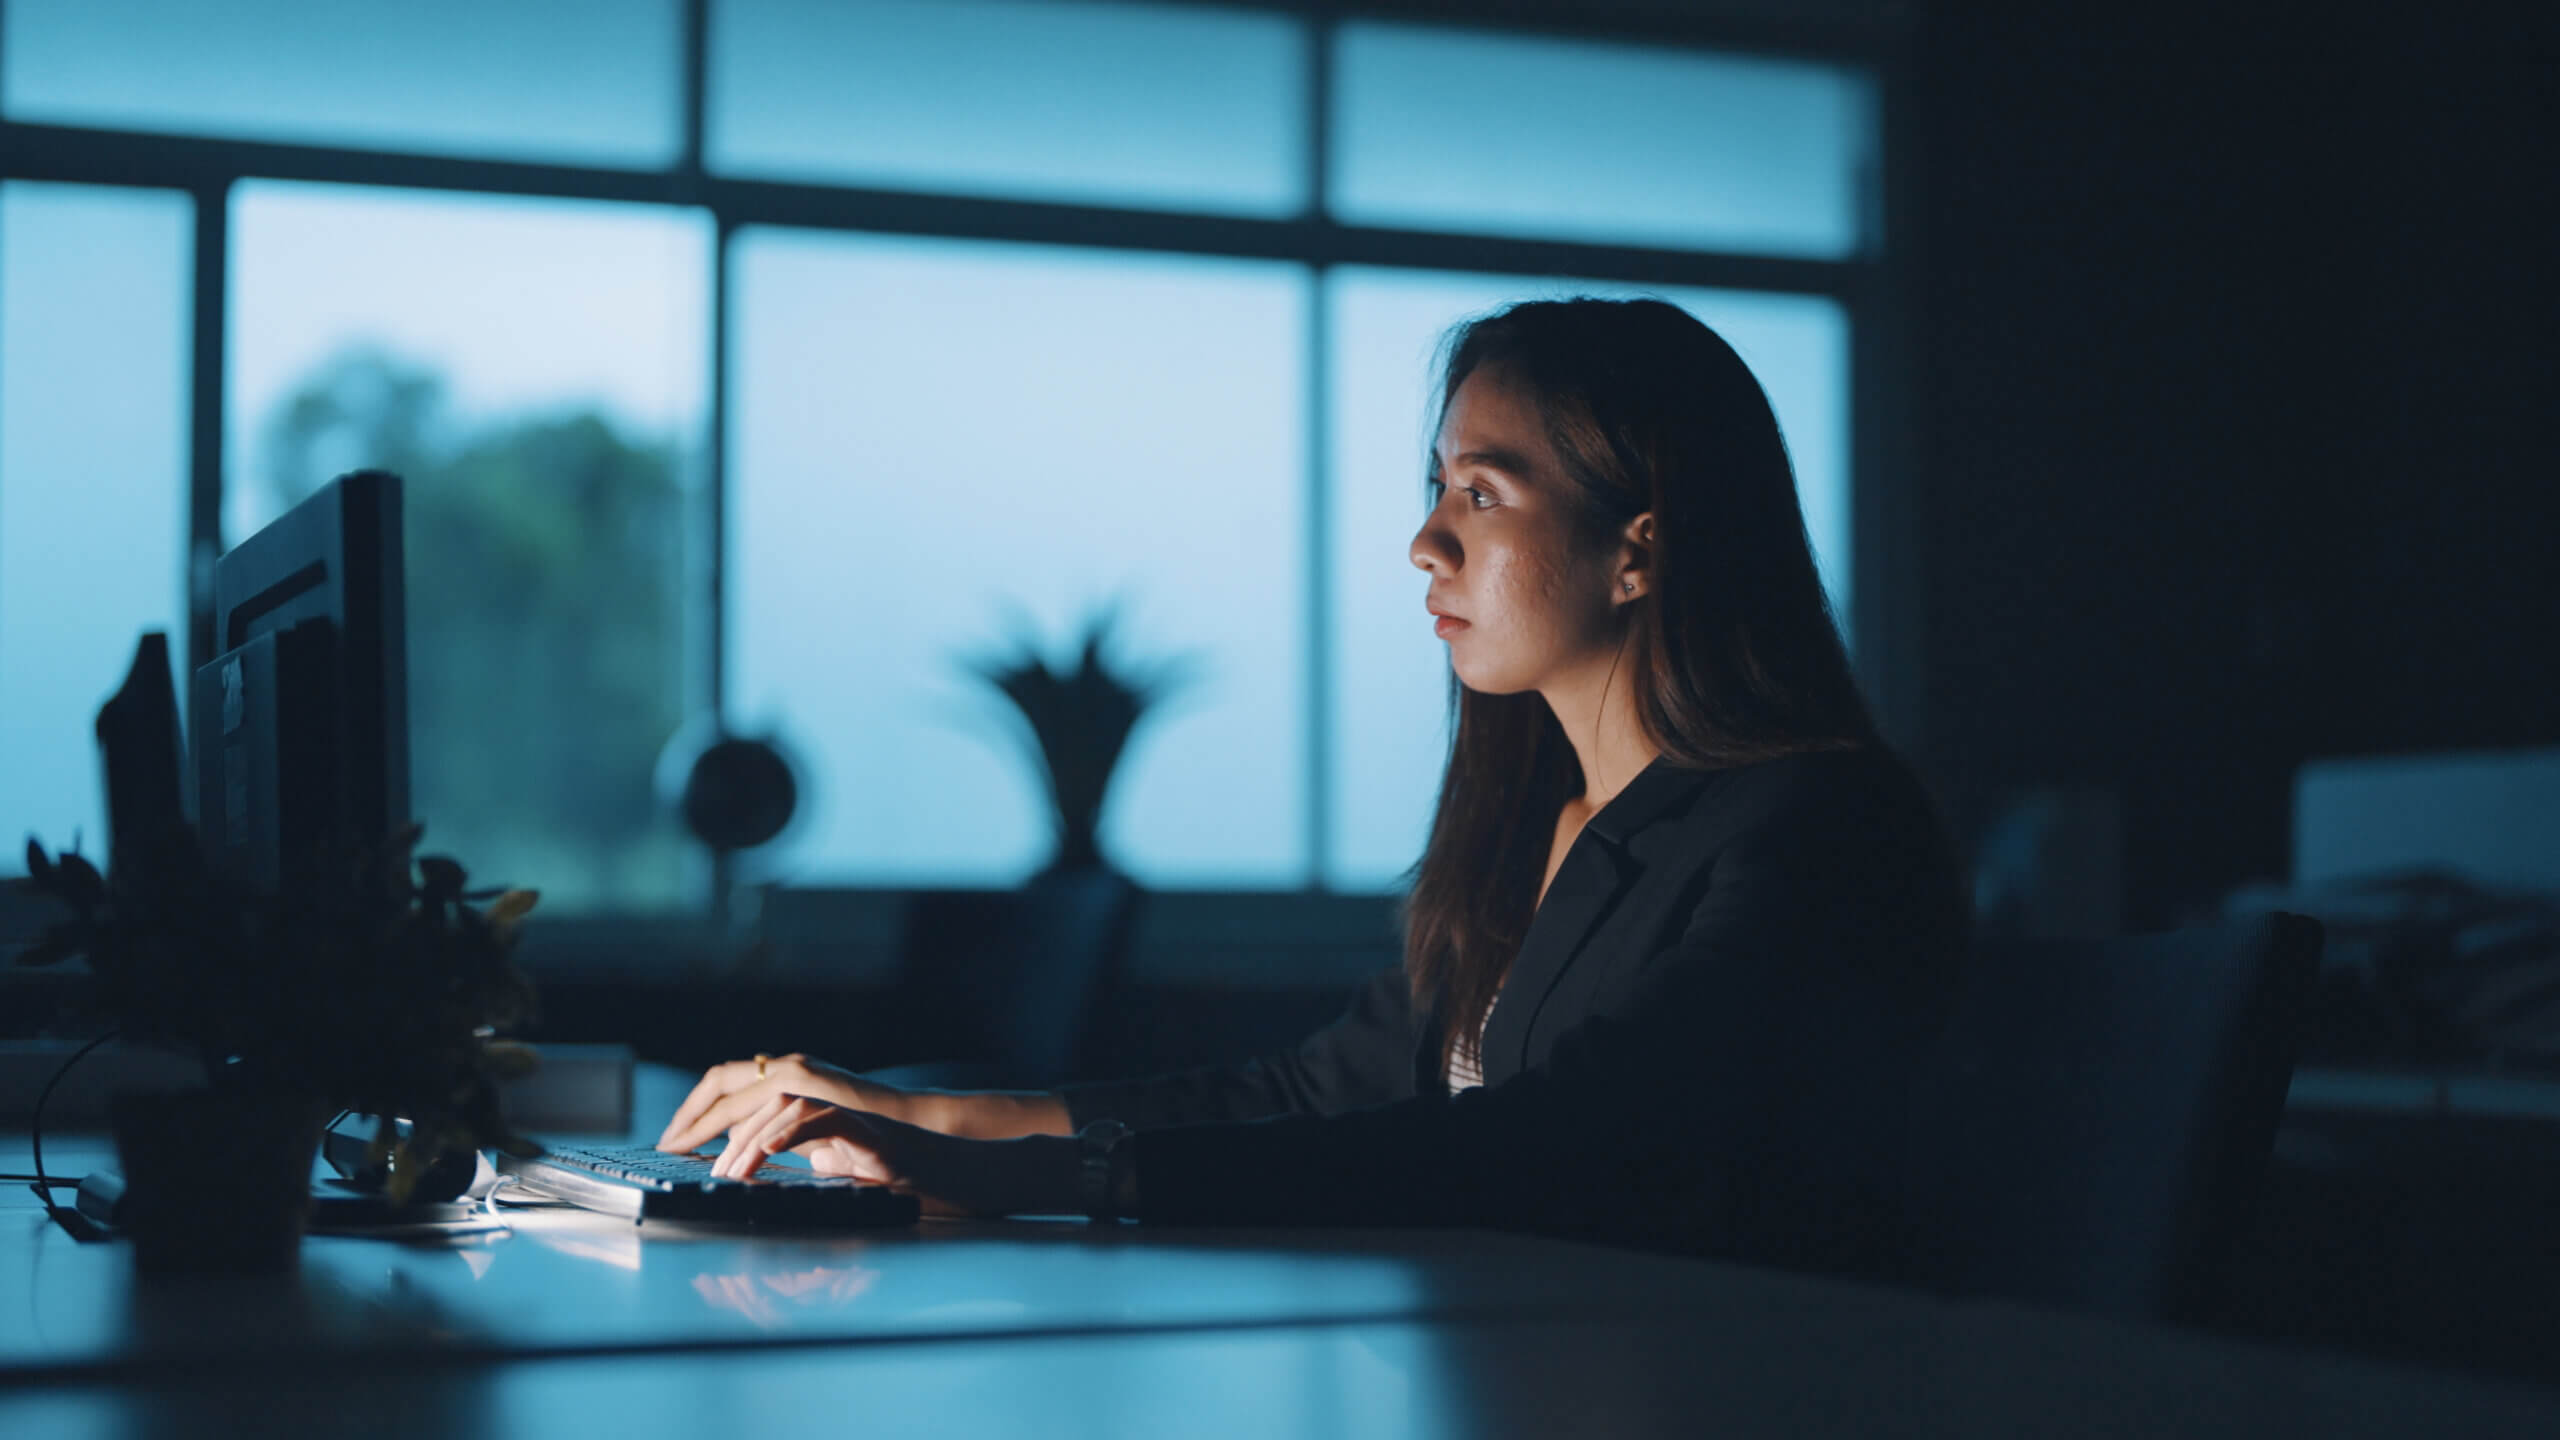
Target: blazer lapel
x: 1597, y: 869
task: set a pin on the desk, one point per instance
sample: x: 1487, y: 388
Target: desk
x: 577, y: 1324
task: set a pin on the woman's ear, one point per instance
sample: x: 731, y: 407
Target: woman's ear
x: 1635, y: 559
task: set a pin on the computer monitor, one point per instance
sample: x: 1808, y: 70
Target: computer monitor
x: 300, y: 720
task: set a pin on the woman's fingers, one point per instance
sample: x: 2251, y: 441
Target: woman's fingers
x: 696, y: 1100
x: 716, y: 1082
x: 735, y: 1162
x: 752, y: 1142
x: 874, y: 1149
x: 798, y: 1122
x: 732, y: 1092
x: 754, y: 1139
x: 726, y: 1113
x: 733, y: 1110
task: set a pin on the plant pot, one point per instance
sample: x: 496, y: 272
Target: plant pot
x: 215, y: 1180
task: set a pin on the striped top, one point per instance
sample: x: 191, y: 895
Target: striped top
x: 1466, y: 1062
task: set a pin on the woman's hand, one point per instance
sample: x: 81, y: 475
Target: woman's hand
x: 730, y: 1093
x: 1035, y: 1174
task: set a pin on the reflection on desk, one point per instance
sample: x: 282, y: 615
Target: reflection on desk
x: 577, y: 1322
x: 755, y: 1296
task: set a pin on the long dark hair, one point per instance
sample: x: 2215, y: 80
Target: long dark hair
x: 1735, y: 655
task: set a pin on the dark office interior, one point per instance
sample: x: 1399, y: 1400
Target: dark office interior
x: 2199, y: 509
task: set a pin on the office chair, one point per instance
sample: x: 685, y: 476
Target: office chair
x: 2093, y: 1127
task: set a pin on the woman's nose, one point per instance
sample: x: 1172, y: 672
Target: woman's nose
x: 1433, y: 549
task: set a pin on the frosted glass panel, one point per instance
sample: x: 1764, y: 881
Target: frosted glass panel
x: 1462, y: 130
x: 593, y: 81
x: 535, y: 370
x: 94, y: 286
x: 1147, y: 105
x: 936, y: 441
x: 1391, y: 676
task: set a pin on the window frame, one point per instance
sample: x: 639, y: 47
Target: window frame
x: 1869, y: 286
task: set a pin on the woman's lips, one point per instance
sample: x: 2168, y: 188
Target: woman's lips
x: 1448, y: 625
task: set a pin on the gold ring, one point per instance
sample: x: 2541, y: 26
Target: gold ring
x: 760, y: 1059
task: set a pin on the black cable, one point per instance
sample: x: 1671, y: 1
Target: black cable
x: 45, y: 1184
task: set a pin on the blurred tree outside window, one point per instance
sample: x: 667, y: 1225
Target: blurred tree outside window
x: 544, y: 554
x: 534, y: 370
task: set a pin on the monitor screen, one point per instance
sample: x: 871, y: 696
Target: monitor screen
x: 300, y: 719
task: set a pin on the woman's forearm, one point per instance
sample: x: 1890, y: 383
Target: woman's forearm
x: 991, y: 1114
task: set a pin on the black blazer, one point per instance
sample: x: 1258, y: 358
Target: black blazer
x: 1703, y: 1045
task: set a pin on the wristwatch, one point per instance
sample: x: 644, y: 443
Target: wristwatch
x: 1100, y: 1159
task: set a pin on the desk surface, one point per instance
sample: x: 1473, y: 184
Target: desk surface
x: 574, y: 1323
x: 1008, y: 1329
x: 565, y: 1282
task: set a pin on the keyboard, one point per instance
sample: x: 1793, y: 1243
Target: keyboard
x: 641, y: 1184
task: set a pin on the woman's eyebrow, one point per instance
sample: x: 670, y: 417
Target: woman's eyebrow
x: 1509, y: 462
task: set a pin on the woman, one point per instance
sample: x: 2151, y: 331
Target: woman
x: 1684, y: 926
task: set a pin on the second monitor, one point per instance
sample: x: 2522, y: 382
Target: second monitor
x: 300, y: 719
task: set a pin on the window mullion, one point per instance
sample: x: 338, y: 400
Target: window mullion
x: 1319, y: 533
x: 211, y: 309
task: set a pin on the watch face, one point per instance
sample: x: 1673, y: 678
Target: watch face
x: 1096, y: 1145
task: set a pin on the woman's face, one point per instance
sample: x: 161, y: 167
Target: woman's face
x: 1527, y: 599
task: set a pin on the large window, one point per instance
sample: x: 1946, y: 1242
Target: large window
x: 940, y: 447
x: 1154, y: 105
x: 915, y: 336
x: 534, y: 370
x: 1512, y: 135
x: 93, y: 470
x: 593, y: 81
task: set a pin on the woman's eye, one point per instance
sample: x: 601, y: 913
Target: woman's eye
x: 1476, y: 499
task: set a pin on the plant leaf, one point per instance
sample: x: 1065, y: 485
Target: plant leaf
x: 510, y: 1059
x: 508, y: 911
x: 81, y: 883
x: 444, y: 878
x: 407, y: 1164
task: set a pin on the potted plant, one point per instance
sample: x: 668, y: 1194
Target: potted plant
x: 1079, y: 722
x: 377, y: 987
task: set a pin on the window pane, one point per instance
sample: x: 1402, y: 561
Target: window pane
x: 94, y: 286
x: 937, y: 443
x: 1391, y: 676
x: 535, y: 371
x: 1461, y: 130
x: 574, y: 80
x: 1118, y: 104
